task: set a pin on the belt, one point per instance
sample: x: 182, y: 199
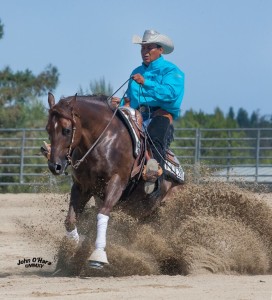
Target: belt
x: 147, y: 109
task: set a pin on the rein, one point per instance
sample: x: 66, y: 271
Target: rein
x: 78, y: 162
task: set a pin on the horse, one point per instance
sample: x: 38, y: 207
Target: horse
x: 87, y: 133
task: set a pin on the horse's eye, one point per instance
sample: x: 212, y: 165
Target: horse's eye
x: 66, y: 131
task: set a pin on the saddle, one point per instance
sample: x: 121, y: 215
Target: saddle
x: 132, y: 118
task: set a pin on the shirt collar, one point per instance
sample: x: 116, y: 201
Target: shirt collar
x: 154, y: 64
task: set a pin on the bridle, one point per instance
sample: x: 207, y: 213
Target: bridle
x: 68, y: 155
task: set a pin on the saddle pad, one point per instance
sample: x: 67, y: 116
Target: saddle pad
x: 173, y: 168
x: 124, y: 113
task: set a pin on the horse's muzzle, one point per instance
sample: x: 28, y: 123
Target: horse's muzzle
x: 55, y: 168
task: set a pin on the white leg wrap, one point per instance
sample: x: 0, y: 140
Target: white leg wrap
x: 102, y: 224
x: 73, y: 235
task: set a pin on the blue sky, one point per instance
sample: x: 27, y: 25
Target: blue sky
x: 224, y: 47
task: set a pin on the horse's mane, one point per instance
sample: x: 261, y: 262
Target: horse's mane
x: 64, y: 109
x: 99, y: 97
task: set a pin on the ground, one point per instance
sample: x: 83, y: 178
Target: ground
x: 31, y: 230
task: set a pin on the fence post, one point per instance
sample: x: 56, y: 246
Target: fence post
x: 229, y: 156
x: 197, y: 155
x: 22, y: 158
x: 258, y: 141
x: 197, y: 145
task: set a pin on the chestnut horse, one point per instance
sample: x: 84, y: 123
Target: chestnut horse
x: 80, y: 125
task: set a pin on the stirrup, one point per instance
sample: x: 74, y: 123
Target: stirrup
x: 151, y: 173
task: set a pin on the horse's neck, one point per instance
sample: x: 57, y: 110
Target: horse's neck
x: 94, y: 119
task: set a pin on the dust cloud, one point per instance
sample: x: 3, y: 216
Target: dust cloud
x: 212, y: 227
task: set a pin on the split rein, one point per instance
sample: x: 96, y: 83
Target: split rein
x: 78, y: 162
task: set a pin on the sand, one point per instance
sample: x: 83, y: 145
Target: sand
x: 32, y: 230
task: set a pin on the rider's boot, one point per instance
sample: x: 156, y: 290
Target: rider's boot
x: 158, y: 131
x: 151, y: 173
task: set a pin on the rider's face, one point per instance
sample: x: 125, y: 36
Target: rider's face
x: 150, y: 52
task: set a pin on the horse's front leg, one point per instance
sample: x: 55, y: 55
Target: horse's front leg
x: 113, y: 193
x: 78, y: 201
x: 69, y: 244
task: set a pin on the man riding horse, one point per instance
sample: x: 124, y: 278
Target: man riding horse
x: 156, y: 91
x: 87, y: 133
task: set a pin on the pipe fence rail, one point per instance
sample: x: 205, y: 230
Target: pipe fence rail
x: 229, y: 154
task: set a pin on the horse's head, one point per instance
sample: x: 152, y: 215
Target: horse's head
x: 61, y: 130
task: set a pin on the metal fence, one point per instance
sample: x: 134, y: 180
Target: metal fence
x: 228, y: 154
x: 243, y: 154
x: 20, y: 159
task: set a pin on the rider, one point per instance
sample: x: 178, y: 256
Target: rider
x: 156, y: 91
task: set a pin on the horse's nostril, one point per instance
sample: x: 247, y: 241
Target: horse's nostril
x: 57, y: 167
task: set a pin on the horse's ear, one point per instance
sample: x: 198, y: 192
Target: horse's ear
x: 51, y: 100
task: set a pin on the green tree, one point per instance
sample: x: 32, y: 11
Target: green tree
x: 20, y: 92
x: 1, y: 29
x: 254, y: 120
x: 191, y: 119
x: 231, y: 114
x: 242, y: 118
x: 98, y: 87
x: 23, y: 86
x: 214, y: 139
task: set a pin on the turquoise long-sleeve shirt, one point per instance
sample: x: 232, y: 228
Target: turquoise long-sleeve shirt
x: 163, y: 86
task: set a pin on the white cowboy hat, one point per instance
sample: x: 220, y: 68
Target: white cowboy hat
x: 152, y: 36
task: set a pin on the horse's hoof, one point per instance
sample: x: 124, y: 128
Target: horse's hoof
x: 100, y: 256
x: 149, y: 187
x: 96, y: 264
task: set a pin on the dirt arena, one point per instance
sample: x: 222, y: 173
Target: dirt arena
x: 212, y: 242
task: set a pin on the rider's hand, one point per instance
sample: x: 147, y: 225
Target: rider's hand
x: 138, y: 78
x: 115, y: 101
x: 127, y: 102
